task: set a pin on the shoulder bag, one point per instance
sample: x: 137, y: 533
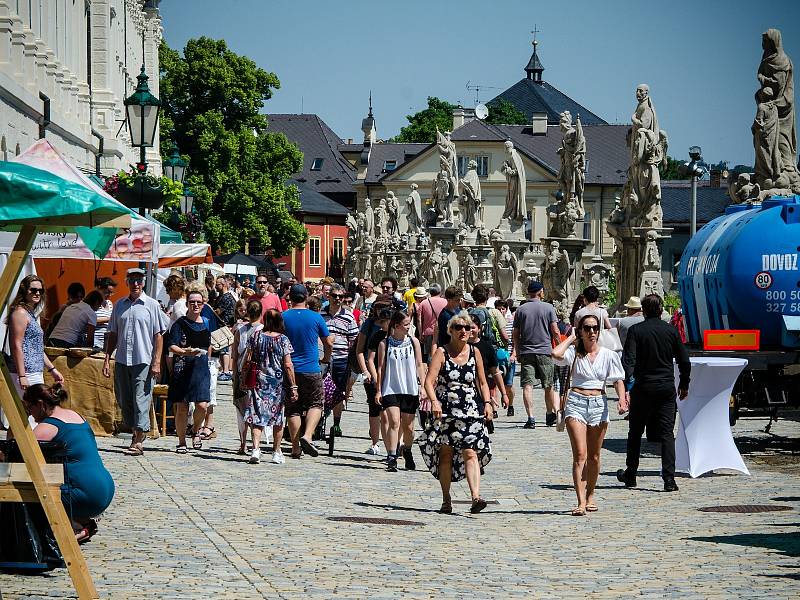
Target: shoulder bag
x: 609, y: 338
x: 560, y: 419
x: 250, y: 380
x: 221, y: 338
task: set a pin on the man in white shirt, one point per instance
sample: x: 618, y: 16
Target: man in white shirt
x: 135, y: 332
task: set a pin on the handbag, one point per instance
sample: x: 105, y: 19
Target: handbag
x: 221, y: 338
x: 560, y: 419
x: 250, y: 381
x: 609, y: 338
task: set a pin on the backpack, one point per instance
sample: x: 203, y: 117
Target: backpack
x: 488, y: 326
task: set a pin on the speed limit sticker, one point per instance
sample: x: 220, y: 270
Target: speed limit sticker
x: 763, y: 280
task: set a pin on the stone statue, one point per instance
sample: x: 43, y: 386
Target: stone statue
x: 774, y: 128
x: 598, y: 273
x: 414, y: 210
x: 361, y: 231
x: 652, y: 257
x: 438, y: 266
x: 506, y: 271
x: 422, y: 241
x: 393, y: 214
x: 380, y: 219
x: 648, y: 145
x: 469, y: 271
x: 483, y: 236
x: 366, y: 265
x: 369, y: 216
x: 448, y: 160
x: 471, y: 197
x: 412, y: 266
x: 514, y: 171
x: 572, y: 173
x: 564, y: 214
x: 352, y: 230
x: 395, y: 266
x: 442, y: 195
x: 555, y: 273
x: 743, y: 188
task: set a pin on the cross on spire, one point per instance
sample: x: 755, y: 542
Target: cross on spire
x: 534, y: 68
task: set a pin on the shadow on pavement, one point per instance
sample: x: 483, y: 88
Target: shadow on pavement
x: 787, y: 544
x: 396, y: 507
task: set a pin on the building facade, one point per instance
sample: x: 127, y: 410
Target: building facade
x: 66, y: 67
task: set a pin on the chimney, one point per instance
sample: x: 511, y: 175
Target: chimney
x: 462, y: 116
x: 539, y: 123
x: 718, y: 176
x: 349, y: 140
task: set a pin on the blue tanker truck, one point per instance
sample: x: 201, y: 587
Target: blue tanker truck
x: 739, y: 282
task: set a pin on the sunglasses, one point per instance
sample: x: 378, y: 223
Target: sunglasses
x: 136, y: 281
x: 337, y: 296
x: 35, y: 290
x: 461, y: 327
x: 386, y: 287
x: 591, y: 328
x: 195, y: 302
x: 262, y: 282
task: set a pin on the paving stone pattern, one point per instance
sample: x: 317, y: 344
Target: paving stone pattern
x: 209, y: 525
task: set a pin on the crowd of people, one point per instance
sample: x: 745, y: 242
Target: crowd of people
x: 293, y: 355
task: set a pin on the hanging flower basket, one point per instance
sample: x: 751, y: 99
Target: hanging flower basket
x: 142, y: 192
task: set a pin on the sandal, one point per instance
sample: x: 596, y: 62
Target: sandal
x: 181, y: 449
x: 197, y: 442
x: 211, y: 433
x: 135, y: 450
x: 82, y: 536
x: 578, y: 511
x: 478, y: 504
x: 447, y: 507
x: 591, y: 508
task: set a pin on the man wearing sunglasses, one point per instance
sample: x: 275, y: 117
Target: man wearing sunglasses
x: 135, y: 331
x: 266, y: 295
x: 344, y: 329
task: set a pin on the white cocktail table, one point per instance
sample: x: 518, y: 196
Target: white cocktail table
x: 704, y: 441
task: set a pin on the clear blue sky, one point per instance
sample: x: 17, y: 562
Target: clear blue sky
x: 699, y: 58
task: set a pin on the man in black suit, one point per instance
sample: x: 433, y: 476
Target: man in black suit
x: 647, y: 358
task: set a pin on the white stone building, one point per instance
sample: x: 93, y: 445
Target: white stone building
x: 65, y: 68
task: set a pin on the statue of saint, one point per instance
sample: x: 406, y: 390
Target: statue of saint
x: 471, y: 197
x: 652, y: 257
x: 366, y: 265
x: 648, y: 146
x: 564, y: 215
x: 506, y: 271
x: 775, y: 128
x: 439, y: 266
x: 555, y: 273
x: 380, y: 219
x: 442, y: 194
x: 393, y: 214
x: 469, y: 271
x: 514, y: 171
x: 395, y: 266
x: 352, y: 230
x: 572, y: 173
x: 414, y: 210
x: 448, y: 160
x: 369, y: 218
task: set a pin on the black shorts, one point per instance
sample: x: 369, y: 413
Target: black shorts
x: 408, y: 404
x: 374, y: 409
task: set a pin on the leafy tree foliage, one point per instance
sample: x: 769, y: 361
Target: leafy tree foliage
x: 212, y: 98
x: 671, y: 172
x: 503, y: 112
x: 422, y: 126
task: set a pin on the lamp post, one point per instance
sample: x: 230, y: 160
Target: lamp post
x: 142, y: 110
x: 175, y: 166
x: 695, y: 170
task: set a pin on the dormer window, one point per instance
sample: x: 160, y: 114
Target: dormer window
x: 389, y: 165
x: 317, y: 164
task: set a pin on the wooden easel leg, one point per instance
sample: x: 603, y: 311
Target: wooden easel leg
x: 29, y: 447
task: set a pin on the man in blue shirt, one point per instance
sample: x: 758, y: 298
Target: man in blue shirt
x: 305, y: 328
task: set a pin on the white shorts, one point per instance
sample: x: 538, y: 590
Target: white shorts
x: 590, y: 410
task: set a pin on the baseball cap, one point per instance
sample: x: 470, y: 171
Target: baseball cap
x: 534, y: 286
x: 298, y: 289
x: 135, y: 272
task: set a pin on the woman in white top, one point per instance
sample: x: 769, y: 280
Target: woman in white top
x: 586, y: 409
x: 399, y: 373
x: 591, y: 296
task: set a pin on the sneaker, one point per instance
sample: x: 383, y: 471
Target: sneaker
x: 277, y: 458
x: 408, y: 457
x: 550, y: 419
x: 255, y: 456
x: 530, y: 423
x: 391, y: 464
x: 337, y: 431
x: 510, y: 411
x: 373, y: 450
x: 224, y: 377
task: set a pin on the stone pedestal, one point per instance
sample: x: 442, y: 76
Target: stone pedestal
x: 519, y: 248
x: 483, y: 263
x: 597, y: 273
x: 510, y: 230
x: 632, y: 278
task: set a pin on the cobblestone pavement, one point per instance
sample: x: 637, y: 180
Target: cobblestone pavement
x: 209, y: 525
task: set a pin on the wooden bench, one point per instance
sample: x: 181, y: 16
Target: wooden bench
x: 160, y: 392
x: 16, y: 484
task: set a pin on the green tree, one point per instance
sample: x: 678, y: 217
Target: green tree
x: 671, y: 172
x: 503, y: 112
x: 422, y: 126
x: 212, y: 98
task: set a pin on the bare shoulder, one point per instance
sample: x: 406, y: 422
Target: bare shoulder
x: 45, y: 432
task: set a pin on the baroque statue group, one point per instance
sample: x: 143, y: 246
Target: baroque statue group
x: 447, y: 239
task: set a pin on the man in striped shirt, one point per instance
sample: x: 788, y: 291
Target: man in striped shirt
x: 344, y: 329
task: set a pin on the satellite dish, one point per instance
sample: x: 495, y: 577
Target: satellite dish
x: 481, y: 111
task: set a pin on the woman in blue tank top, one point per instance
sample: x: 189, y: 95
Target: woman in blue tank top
x: 88, y: 487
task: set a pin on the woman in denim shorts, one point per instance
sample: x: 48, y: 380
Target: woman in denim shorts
x: 586, y: 406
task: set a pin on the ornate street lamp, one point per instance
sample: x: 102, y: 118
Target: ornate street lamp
x: 142, y: 110
x: 175, y: 166
x: 188, y: 201
x: 694, y: 169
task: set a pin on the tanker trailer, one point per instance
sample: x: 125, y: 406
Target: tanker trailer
x: 739, y: 282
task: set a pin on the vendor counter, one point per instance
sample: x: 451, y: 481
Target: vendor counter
x: 91, y: 394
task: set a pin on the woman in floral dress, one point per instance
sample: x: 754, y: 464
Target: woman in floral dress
x: 271, y: 350
x: 455, y: 444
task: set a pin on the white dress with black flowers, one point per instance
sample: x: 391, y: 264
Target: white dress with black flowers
x: 462, y: 424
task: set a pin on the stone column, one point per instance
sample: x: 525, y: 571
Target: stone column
x: 633, y: 278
